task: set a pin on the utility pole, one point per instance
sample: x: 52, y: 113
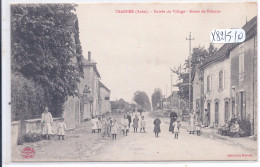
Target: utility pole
x: 166, y: 97
x: 190, y: 39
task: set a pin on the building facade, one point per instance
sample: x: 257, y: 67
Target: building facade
x: 226, y: 83
x: 244, y: 77
x: 79, y: 109
x: 104, y: 95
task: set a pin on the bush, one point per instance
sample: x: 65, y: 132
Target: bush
x: 27, y: 98
x: 32, y: 137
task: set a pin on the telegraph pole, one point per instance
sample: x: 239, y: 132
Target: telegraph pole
x: 190, y: 39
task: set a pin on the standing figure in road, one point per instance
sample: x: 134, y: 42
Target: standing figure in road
x: 176, y: 129
x: 109, y: 126
x: 46, y: 123
x: 99, y: 125
x: 125, y: 126
x: 157, y: 128
x: 105, y: 124
x: 94, y: 124
x: 135, y: 123
x: 142, y: 124
x: 173, y: 118
x: 61, y: 129
x: 192, y: 122
x: 129, y: 119
x: 114, y: 128
x: 206, y: 123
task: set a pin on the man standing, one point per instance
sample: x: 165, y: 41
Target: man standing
x: 46, y: 122
x: 173, y: 117
x: 129, y: 119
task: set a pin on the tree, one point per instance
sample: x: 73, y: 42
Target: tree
x: 156, y: 97
x: 45, y: 48
x: 142, y: 100
x: 199, y: 55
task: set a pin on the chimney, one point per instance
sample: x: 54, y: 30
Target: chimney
x: 89, y: 56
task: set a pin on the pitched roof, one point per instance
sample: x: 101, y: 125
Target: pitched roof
x: 250, y: 30
x: 102, y: 85
x: 92, y: 63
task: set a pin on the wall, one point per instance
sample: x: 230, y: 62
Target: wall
x: 106, y: 104
x: 197, y: 94
x: 32, y: 125
x: 215, y: 93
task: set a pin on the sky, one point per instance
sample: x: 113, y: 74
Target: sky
x: 136, y: 51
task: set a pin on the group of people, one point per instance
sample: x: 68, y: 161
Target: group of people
x: 195, y: 123
x: 46, y: 124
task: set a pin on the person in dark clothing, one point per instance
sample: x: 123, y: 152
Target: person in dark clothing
x: 129, y: 119
x: 173, y: 117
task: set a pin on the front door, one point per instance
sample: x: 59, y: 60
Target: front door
x: 216, y: 113
x: 226, y: 111
x: 208, y: 109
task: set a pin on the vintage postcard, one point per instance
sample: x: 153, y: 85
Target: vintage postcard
x: 133, y: 81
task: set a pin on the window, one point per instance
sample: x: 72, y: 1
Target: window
x: 208, y: 83
x: 241, y: 61
x: 107, y: 98
x: 221, y: 80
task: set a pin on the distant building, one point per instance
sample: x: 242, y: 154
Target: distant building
x: 104, y: 94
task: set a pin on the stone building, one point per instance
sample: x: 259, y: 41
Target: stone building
x: 228, y: 81
x: 244, y: 77
x: 104, y: 94
x: 198, y: 93
x: 216, y: 87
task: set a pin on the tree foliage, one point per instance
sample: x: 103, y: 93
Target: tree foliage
x: 156, y: 97
x: 45, y: 49
x: 199, y: 55
x: 142, y: 100
x: 27, y: 98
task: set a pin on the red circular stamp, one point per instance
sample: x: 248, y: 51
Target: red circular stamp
x: 28, y: 152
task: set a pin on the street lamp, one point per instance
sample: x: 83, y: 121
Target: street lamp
x: 86, y: 94
x: 88, y: 97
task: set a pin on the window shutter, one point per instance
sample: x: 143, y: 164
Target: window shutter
x: 223, y: 79
x: 210, y: 82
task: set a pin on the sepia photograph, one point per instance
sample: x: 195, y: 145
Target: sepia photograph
x: 135, y: 82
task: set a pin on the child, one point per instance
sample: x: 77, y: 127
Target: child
x: 125, y: 126
x: 198, y: 127
x: 61, y: 129
x: 176, y: 128
x: 94, y: 124
x: 114, y: 128
x: 99, y: 125
x: 135, y: 123
x: 142, y: 124
x: 157, y: 128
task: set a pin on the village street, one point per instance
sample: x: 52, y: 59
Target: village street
x: 82, y: 145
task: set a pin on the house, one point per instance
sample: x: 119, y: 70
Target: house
x: 104, y: 95
x: 229, y: 87
x: 244, y: 77
x: 216, y: 78
x: 78, y: 109
x: 198, y: 93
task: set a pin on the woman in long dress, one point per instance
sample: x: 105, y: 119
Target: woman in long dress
x: 135, y: 123
x: 46, y: 122
x: 192, y: 122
